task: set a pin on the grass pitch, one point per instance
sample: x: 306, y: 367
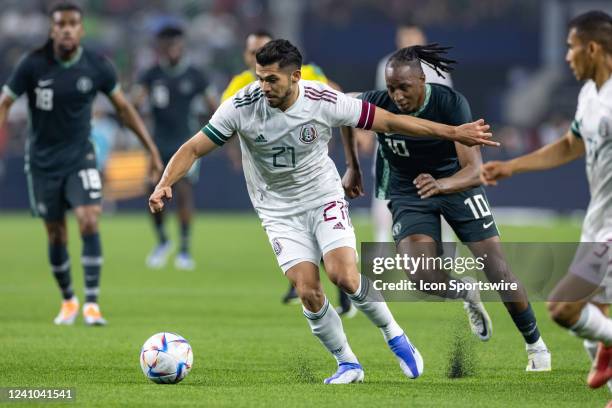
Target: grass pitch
x: 249, y: 349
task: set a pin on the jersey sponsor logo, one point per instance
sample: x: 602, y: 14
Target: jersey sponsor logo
x: 44, y: 82
x: 339, y: 226
x: 84, y: 84
x: 308, y: 134
x: 277, y: 247
x: 397, y: 228
x: 605, y: 128
x: 486, y: 225
x: 260, y: 139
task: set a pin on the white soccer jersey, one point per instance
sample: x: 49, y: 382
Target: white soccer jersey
x: 284, y: 154
x: 593, y: 123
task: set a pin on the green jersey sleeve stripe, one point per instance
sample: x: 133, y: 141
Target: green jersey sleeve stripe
x: 216, y: 132
x: 575, y: 128
x: 9, y: 92
x: 218, y: 141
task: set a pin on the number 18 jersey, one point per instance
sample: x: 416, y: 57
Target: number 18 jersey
x: 284, y: 153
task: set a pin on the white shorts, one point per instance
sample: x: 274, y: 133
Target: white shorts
x: 593, y: 263
x: 309, y: 235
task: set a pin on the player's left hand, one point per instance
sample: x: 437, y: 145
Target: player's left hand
x: 475, y: 134
x: 158, y: 198
x: 428, y: 186
x: 352, y: 182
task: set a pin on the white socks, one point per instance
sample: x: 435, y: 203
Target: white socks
x: 327, y: 327
x: 593, y: 325
x: 376, y: 310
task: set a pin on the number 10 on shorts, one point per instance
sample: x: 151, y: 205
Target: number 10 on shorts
x: 478, y: 205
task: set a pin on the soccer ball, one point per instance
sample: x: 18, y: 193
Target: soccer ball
x: 166, y: 358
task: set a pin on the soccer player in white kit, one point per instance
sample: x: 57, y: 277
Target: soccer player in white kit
x: 580, y: 300
x: 284, y: 125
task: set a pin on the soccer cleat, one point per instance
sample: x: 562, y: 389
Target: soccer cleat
x: 68, y: 312
x: 291, y: 297
x: 479, y: 319
x: 184, y: 262
x: 92, y: 315
x: 591, y: 349
x: 347, y: 312
x: 347, y: 373
x: 159, y: 256
x: 538, y: 358
x: 410, y: 360
x: 601, y: 371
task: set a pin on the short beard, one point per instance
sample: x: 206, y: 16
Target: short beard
x: 285, y: 98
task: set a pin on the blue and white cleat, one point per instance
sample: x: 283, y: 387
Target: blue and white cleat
x: 184, y: 262
x: 159, y: 255
x: 347, y: 373
x: 409, y: 358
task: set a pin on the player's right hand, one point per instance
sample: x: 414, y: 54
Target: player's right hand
x: 157, y: 199
x: 493, y: 171
x: 475, y: 134
x: 352, y: 182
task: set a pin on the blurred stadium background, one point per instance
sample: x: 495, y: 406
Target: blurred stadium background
x: 511, y: 68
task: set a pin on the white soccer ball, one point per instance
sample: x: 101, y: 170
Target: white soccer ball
x: 166, y: 358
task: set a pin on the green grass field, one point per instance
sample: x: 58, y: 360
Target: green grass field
x: 249, y: 349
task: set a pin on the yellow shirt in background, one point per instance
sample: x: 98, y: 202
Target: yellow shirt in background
x: 310, y: 72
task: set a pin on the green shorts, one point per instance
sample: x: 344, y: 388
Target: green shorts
x: 467, y: 212
x: 51, y: 196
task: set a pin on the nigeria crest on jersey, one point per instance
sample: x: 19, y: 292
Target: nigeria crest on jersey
x: 308, y: 134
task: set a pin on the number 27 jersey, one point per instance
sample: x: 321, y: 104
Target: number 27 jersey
x: 284, y: 153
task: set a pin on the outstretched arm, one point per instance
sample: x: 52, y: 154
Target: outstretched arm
x: 132, y: 120
x: 469, y: 134
x: 558, y: 153
x: 179, y: 165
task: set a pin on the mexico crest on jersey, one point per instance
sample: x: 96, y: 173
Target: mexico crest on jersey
x: 308, y: 134
x: 277, y: 247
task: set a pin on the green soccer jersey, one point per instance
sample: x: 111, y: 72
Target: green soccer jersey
x: 172, y: 91
x: 400, y: 159
x: 60, y: 97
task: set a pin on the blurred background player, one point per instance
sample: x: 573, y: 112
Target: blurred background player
x: 580, y: 300
x: 61, y: 80
x: 310, y: 72
x: 406, y: 35
x: 427, y: 180
x: 170, y: 87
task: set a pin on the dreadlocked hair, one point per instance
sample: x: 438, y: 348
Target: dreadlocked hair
x: 432, y: 55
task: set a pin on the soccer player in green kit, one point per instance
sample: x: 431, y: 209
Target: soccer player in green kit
x: 61, y: 80
x: 425, y: 179
x: 170, y: 86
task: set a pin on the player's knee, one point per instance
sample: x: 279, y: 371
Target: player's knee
x: 312, y: 296
x: 562, y: 313
x: 88, y: 223
x: 344, y: 275
x: 56, y: 234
